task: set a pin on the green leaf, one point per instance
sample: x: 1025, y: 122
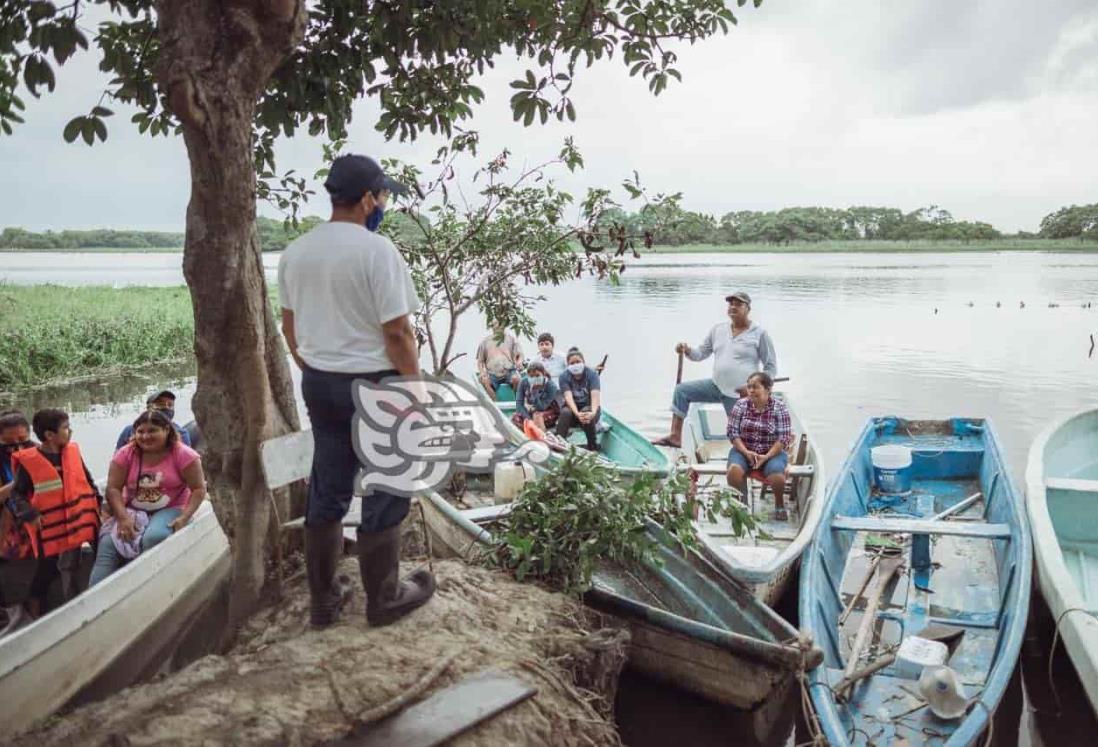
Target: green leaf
x: 72, y: 129
x: 100, y: 129
x: 101, y: 111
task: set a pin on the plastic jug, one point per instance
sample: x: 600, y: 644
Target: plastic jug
x: 509, y: 479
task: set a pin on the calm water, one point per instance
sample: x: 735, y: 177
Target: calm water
x: 858, y: 335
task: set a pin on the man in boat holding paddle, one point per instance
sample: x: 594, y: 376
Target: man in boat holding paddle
x: 740, y: 349
x: 347, y: 299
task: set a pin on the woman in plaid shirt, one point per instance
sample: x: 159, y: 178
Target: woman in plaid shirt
x: 760, y: 431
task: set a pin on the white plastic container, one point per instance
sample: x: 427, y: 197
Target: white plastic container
x: 916, y: 653
x: 509, y: 479
x: 891, y: 468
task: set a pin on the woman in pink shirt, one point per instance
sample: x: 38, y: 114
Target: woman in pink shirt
x: 155, y: 482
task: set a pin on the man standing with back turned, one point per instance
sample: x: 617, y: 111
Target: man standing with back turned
x: 347, y: 298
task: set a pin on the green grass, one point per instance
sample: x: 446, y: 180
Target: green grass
x: 823, y: 247
x: 50, y: 332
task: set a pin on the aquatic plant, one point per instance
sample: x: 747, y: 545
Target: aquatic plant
x: 581, y: 511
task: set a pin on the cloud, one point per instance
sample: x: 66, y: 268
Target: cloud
x: 986, y: 108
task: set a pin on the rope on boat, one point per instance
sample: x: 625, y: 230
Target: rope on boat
x: 1052, y: 652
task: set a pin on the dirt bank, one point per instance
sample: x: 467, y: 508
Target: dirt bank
x: 287, y: 684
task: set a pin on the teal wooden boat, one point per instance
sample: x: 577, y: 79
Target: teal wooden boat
x: 949, y: 559
x: 690, y: 625
x: 1062, y: 501
x: 627, y: 450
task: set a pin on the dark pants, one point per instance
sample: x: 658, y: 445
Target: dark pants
x: 567, y: 420
x: 331, y: 483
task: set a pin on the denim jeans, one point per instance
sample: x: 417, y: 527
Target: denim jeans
x: 699, y: 390
x: 107, y: 558
x: 331, y: 409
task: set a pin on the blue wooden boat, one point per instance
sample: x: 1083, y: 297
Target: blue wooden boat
x: 963, y: 539
x: 691, y: 626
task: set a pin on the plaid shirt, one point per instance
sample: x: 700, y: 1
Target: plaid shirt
x: 759, y: 430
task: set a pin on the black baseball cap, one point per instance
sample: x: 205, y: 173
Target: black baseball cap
x: 165, y: 393
x: 351, y: 176
x: 738, y: 296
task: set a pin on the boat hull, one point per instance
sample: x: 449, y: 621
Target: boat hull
x: 975, y: 578
x: 1062, y: 503
x: 116, y: 633
x: 706, y: 443
x: 720, y: 665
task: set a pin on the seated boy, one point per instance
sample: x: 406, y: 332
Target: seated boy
x: 55, y: 499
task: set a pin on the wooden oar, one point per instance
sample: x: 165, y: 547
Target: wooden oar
x: 885, y: 571
x: 861, y: 590
x: 678, y: 376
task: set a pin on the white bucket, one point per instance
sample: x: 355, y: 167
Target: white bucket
x: 891, y: 468
x: 509, y: 479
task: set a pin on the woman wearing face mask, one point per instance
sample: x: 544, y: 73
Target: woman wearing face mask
x: 536, y: 398
x: 154, y: 486
x: 582, y: 398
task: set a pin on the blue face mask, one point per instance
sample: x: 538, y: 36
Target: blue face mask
x: 537, y: 380
x: 373, y: 220
x: 576, y: 369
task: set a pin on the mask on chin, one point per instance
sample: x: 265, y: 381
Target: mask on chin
x: 373, y: 220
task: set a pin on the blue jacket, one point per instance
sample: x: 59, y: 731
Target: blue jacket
x: 528, y: 398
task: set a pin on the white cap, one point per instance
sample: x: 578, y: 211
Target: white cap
x: 943, y: 692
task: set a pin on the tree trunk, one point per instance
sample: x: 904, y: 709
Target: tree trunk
x: 216, y: 58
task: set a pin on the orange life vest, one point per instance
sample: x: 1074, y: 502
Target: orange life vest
x: 15, y: 541
x: 68, y: 508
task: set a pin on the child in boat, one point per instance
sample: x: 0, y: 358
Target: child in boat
x: 154, y: 486
x: 55, y: 500
x: 582, y: 398
x: 17, y: 561
x: 553, y: 362
x: 537, y: 398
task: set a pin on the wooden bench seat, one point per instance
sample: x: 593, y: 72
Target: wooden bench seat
x: 1072, y: 484
x: 920, y: 526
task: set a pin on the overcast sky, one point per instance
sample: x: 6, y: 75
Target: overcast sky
x: 988, y: 108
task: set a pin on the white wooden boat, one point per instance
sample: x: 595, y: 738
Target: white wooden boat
x: 117, y: 632
x: 765, y: 562
x: 1062, y: 502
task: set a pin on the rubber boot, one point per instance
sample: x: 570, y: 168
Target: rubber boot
x: 327, y: 593
x: 388, y: 598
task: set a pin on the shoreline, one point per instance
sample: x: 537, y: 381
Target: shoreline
x: 990, y: 246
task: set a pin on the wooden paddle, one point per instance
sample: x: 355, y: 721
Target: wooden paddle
x: 886, y: 569
x: 678, y: 376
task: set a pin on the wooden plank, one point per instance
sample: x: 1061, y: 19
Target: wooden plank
x: 920, y: 526
x: 1071, y: 483
x: 448, y: 712
x: 287, y: 459
x: 487, y: 513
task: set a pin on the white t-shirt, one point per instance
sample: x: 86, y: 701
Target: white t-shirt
x: 343, y: 282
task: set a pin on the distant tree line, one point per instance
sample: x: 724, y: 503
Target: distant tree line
x: 809, y: 224
x: 274, y: 235
x: 785, y: 226
x: 1077, y: 221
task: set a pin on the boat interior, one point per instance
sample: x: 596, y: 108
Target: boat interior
x: 955, y: 575
x: 1071, y: 494
x: 708, y: 439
